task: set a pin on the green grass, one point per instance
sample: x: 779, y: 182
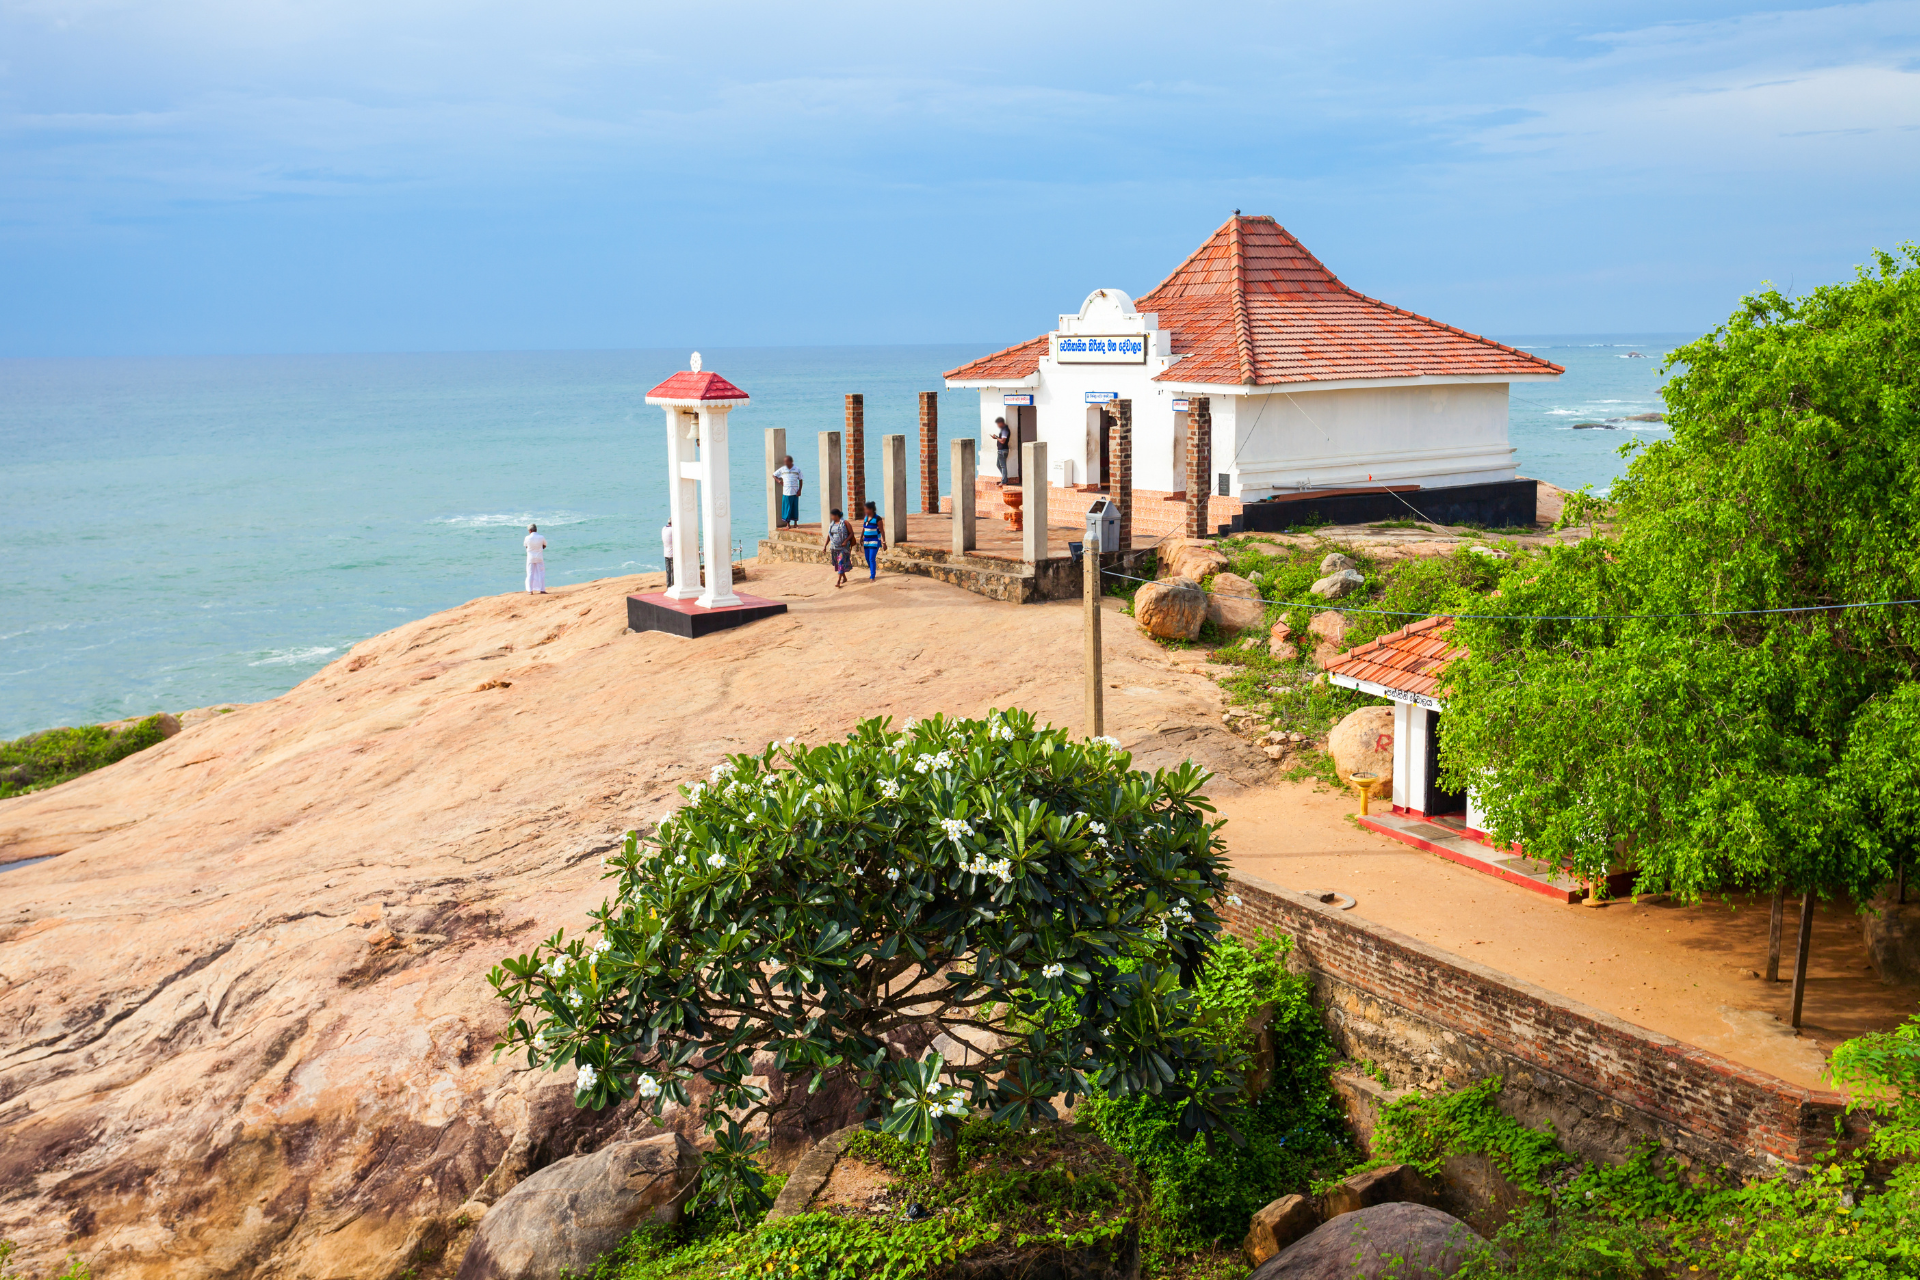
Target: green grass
x: 53, y: 756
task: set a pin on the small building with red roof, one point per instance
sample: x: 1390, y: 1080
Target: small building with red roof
x: 1314, y: 390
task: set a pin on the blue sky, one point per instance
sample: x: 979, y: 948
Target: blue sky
x: 223, y: 176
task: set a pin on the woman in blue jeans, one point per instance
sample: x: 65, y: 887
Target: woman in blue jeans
x: 873, y: 536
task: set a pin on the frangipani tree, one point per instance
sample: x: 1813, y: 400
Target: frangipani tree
x: 993, y: 879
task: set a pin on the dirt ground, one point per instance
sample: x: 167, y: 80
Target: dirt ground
x: 1690, y: 972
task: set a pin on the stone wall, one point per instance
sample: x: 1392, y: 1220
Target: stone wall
x: 1431, y: 1019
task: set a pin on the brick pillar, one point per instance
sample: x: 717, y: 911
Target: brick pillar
x: 1120, y: 469
x: 1199, y: 465
x: 930, y: 452
x: 856, y: 458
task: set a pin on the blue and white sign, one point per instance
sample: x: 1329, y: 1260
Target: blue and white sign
x: 1102, y: 397
x: 1180, y: 405
x: 1125, y: 348
x: 1018, y: 401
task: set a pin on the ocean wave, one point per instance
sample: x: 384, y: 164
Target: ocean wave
x: 497, y: 520
x: 289, y: 657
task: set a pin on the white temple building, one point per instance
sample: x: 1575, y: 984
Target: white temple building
x: 1316, y: 394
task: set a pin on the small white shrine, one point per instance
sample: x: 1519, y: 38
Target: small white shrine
x: 700, y: 504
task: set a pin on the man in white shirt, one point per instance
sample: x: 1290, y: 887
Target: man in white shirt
x: 790, y: 485
x: 666, y: 548
x: 536, y: 561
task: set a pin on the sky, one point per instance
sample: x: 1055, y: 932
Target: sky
x: 220, y: 176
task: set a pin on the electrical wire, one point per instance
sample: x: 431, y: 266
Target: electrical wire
x: 1535, y: 617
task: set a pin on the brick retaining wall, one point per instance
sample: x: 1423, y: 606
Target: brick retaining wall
x: 1431, y: 1018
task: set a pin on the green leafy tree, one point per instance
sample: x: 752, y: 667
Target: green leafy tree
x: 1716, y: 752
x: 826, y: 904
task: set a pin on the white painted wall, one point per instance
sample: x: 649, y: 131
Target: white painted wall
x: 1428, y: 435
x: 1411, y: 767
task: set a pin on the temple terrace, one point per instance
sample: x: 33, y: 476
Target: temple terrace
x: 1253, y: 365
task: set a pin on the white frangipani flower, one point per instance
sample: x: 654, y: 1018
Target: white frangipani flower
x: 1107, y: 740
x: 956, y: 828
x: 721, y: 770
x: 1052, y: 970
x: 695, y: 791
x: 586, y: 1079
x: 649, y: 1087
x: 893, y: 874
x: 889, y: 788
x: 716, y: 860
x: 601, y: 946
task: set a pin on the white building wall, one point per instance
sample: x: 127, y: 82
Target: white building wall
x: 1430, y: 435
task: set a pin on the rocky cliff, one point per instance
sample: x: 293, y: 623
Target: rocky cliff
x: 247, y: 1030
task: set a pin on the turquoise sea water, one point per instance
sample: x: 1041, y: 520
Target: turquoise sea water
x: 190, y: 531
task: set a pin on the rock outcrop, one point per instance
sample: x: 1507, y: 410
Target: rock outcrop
x: 1280, y: 642
x: 1387, y: 1240
x: 560, y: 1220
x: 1188, y: 558
x: 1234, y: 604
x: 248, y: 1027
x: 1172, y: 609
x: 1278, y: 1225
x: 1329, y: 628
x: 1343, y: 582
x: 1363, y: 743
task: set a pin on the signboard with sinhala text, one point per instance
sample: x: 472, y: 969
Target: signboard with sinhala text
x: 1126, y: 348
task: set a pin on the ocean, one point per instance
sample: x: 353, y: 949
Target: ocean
x: 199, y: 530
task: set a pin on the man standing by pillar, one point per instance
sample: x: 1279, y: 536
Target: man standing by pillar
x: 1000, y: 438
x: 791, y: 482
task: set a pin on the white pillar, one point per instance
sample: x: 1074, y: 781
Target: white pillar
x: 776, y: 450
x: 1402, y: 753
x: 961, y: 471
x: 827, y: 481
x: 1033, y: 483
x: 716, y: 510
x: 893, y: 486
x: 683, y: 499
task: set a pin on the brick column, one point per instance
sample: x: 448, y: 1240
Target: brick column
x: 930, y: 452
x: 856, y: 458
x: 1120, y: 470
x: 1199, y: 465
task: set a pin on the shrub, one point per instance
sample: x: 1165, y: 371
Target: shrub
x: 818, y: 903
x: 53, y: 756
x: 1293, y: 1130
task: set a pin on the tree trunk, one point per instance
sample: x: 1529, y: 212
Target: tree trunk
x: 1800, y: 957
x: 1775, y: 919
x: 945, y: 1158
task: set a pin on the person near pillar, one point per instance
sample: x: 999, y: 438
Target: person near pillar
x: 536, y: 561
x: 666, y: 548
x: 791, y: 482
x: 839, y: 544
x: 1001, y: 437
x: 873, y: 538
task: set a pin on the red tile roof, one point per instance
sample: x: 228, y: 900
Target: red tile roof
x: 1014, y: 362
x: 696, y: 386
x: 1411, y: 659
x: 1252, y: 307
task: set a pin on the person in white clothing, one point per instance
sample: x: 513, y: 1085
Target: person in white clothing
x: 791, y: 482
x: 536, y: 561
x: 666, y: 548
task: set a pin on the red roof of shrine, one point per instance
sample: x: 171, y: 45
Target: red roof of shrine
x: 686, y: 385
x: 1252, y: 306
x: 1411, y: 659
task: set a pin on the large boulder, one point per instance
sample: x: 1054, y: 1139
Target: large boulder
x: 1892, y: 934
x: 1279, y: 1225
x: 1329, y: 628
x: 1363, y: 743
x: 1188, y: 558
x: 1340, y: 583
x: 1172, y: 610
x: 1335, y: 562
x: 1234, y: 604
x: 564, y: 1217
x: 1397, y: 1240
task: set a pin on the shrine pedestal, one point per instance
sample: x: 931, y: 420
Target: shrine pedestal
x: 654, y: 611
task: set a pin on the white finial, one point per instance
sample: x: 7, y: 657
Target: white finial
x: 694, y: 364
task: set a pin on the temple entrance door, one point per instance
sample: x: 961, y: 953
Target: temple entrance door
x: 1438, y: 800
x: 1099, y: 432
x: 1022, y: 428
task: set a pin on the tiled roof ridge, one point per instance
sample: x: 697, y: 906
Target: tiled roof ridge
x: 959, y: 371
x: 1188, y: 260
x: 1242, y: 333
x: 1429, y: 623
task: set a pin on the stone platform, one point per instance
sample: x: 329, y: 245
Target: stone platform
x: 656, y: 611
x: 993, y: 569
x: 1453, y: 840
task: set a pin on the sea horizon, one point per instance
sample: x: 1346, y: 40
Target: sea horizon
x: 203, y: 529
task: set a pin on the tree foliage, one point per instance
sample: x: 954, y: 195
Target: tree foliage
x: 828, y: 904
x: 1718, y: 752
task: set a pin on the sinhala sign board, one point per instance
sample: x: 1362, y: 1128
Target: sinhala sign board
x: 1124, y: 348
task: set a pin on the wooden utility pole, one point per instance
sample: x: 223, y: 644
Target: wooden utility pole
x: 1800, y: 957
x: 1775, y: 919
x: 1090, y: 553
